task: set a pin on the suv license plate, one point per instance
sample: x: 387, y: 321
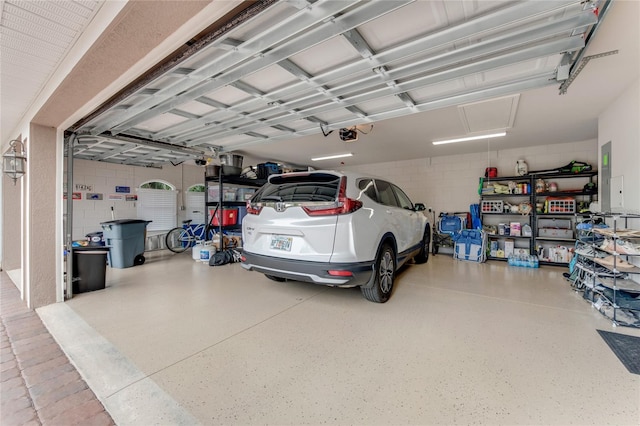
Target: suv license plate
x: 281, y: 243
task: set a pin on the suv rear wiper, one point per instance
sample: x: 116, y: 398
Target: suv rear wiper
x: 272, y: 198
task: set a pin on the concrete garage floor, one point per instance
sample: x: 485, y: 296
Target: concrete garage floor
x: 175, y: 341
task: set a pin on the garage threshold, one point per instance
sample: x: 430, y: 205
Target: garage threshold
x: 128, y: 394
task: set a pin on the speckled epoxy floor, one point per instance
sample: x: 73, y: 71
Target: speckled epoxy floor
x: 458, y: 343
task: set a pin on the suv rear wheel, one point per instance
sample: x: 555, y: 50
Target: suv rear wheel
x: 384, y: 275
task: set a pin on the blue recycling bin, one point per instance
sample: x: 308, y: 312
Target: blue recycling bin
x: 125, y: 239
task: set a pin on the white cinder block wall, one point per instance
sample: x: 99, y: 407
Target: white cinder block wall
x: 450, y: 183
x: 104, y: 177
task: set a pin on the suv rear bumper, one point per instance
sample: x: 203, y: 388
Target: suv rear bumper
x: 313, y: 272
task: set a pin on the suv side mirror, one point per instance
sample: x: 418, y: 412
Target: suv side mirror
x: 419, y: 207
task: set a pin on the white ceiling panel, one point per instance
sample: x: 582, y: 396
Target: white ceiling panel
x: 269, y: 79
x: 436, y: 91
x: 198, y: 108
x: 228, y: 95
x: 161, y: 122
x: 415, y: 19
x: 330, y: 54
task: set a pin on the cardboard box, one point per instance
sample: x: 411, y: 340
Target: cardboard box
x: 515, y: 229
x: 216, y: 242
x: 236, y: 241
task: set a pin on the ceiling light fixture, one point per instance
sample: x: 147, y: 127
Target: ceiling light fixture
x: 331, y: 157
x: 470, y: 138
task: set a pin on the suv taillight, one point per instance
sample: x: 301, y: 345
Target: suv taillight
x: 342, y: 205
x: 253, y: 209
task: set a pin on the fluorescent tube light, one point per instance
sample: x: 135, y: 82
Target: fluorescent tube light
x: 470, y: 138
x: 331, y: 157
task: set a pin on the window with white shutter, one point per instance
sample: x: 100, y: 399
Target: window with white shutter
x: 160, y: 206
x: 194, y: 203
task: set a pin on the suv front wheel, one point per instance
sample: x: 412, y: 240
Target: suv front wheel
x: 384, y: 275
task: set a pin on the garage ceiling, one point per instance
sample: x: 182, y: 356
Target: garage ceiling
x: 274, y: 83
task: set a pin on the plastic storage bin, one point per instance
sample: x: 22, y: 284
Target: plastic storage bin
x: 242, y: 212
x: 89, y: 268
x: 491, y: 206
x: 267, y: 169
x: 561, y: 205
x: 229, y: 217
x: 125, y: 239
x: 244, y: 194
x: 229, y: 194
x: 214, y: 193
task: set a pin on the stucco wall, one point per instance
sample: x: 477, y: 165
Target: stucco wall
x: 42, y: 221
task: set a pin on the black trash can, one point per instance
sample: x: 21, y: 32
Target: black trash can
x: 89, y: 269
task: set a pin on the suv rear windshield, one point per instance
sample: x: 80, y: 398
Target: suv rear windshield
x: 299, y: 188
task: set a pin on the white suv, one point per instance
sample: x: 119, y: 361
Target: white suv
x: 334, y: 228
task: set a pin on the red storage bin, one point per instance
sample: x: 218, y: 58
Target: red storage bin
x: 229, y: 217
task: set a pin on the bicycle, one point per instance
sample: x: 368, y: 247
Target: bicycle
x: 179, y: 239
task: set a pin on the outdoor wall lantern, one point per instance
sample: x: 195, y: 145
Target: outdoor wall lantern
x: 14, y: 160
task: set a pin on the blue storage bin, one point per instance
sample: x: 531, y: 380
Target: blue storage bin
x: 267, y: 169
